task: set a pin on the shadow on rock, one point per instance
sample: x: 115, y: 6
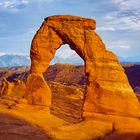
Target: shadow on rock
x: 14, y: 128
x: 125, y: 136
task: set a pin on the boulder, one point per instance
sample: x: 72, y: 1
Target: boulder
x: 37, y: 91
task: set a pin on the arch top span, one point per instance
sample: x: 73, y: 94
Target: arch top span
x: 84, y: 23
x: 57, y: 30
x: 108, y: 90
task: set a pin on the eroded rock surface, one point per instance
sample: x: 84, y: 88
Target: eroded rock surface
x: 40, y: 93
x: 108, y: 90
x: 13, y: 89
x: 67, y: 102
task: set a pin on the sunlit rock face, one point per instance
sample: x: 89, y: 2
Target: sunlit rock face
x: 108, y: 90
x: 12, y: 89
x: 38, y: 92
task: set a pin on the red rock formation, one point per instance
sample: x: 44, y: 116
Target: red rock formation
x: 108, y: 90
x: 67, y: 102
x: 13, y: 89
x: 5, y: 87
x: 38, y: 91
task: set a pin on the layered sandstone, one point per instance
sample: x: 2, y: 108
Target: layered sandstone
x: 67, y: 102
x: 108, y: 90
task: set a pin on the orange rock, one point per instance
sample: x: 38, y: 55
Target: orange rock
x: 4, y: 87
x: 108, y: 90
x: 67, y: 102
x: 37, y: 90
x: 13, y: 89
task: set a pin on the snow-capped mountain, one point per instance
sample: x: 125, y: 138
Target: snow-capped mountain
x: 14, y: 60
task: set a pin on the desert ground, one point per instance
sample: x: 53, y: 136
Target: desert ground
x: 19, y: 120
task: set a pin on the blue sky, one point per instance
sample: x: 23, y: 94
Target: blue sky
x: 118, y: 23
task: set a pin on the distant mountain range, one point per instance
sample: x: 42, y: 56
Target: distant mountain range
x: 22, y: 60
x: 73, y: 59
x: 14, y: 60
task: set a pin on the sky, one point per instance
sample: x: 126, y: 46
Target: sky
x: 118, y: 23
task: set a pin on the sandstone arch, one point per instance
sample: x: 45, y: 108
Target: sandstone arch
x: 108, y: 90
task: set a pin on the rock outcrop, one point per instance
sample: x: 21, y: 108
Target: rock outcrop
x: 5, y: 87
x: 108, y: 90
x: 13, y: 89
x: 39, y: 91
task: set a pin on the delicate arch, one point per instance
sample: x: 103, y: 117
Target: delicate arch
x: 108, y: 90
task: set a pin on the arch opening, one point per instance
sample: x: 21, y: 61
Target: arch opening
x: 65, y: 55
x: 67, y: 80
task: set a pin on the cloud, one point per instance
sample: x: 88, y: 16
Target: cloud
x: 127, y: 4
x: 16, y: 5
x: 65, y: 52
x: 121, y: 21
x: 12, y: 5
x: 119, y: 45
x: 15, y: 53
x: 2, y: 53
x: 105, y: 29
x: 126, y: 17
x: 66, y: 55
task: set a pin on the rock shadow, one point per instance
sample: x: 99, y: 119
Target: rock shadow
x: 12, y: 127
x: 123, y: 136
